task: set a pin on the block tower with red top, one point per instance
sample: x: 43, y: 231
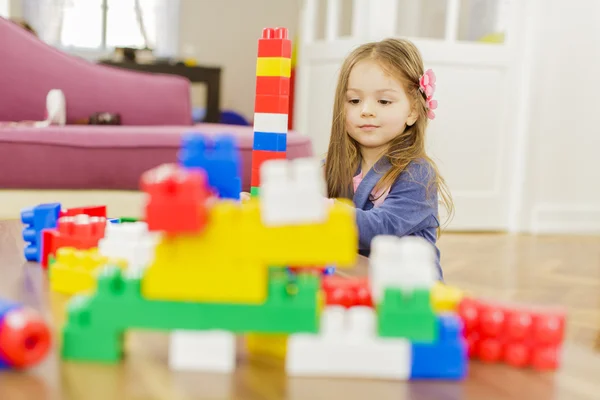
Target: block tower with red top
x: 271, y: 107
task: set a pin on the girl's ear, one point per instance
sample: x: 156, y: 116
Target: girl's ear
x: 412, y: 117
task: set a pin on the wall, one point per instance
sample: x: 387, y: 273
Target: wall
x: 562, y: 174
x: 225, y: 33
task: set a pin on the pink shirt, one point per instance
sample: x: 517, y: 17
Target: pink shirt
x: 376, y: 197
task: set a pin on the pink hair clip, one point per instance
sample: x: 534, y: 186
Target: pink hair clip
x: 427, y: 86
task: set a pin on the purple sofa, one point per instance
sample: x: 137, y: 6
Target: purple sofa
x: 155, y: 112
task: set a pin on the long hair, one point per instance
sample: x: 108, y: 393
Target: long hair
x: 402, y: 60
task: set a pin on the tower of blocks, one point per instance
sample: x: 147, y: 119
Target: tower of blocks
x: 272, y: 102
x: 207, y: 267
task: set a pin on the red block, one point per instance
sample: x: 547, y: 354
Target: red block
x: 258, y: 158
x: 25, y: 338
x: 92, y: 211
x: 347, y: 292
x: 177, y: 199
x: 266, y: 103
x: 274, y: 85
x: 275, y: 43
x: 81, y: 232
x: 516, y: 335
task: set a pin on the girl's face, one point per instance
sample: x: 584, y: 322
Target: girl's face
x: 377, y: 107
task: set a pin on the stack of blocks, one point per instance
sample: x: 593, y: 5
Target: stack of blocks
x: 206, y: 267
x: 271, y: 106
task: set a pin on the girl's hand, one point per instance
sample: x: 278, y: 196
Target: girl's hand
x: 245, y: 196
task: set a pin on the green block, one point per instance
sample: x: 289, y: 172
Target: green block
x: 407, y: 315
x: 254, y: 191
x: 100, y: 319
x: 128, y: 219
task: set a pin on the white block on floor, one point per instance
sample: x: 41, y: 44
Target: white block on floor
x: 348, y: 346
x: 210, y: 351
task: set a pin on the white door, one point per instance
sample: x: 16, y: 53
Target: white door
x: 477, y: 73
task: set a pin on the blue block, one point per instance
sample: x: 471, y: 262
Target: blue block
x: 270, y: 141
x: 114, y: 220
x: 329, y: 271
x: 219, y: 158
x: 445, y: 359
x: 35, y: 219
x: 5, y: 307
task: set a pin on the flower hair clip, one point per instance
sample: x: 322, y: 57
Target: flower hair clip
x: 427, y: 86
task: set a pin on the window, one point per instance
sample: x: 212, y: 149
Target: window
x: 4, y: 8
x: 101, y: 25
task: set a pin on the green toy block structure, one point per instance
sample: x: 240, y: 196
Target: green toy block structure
x: 408, y: 315
x: 97, y: 322
x: 254, y: 191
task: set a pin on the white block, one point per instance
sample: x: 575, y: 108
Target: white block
x: 211, y: 351
x: 130, y: 241
x: 348, y: 346
x: 270, y: 122
x: 406, y: 263
x: 291, y: 192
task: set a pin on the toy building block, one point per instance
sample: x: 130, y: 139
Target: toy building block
x: 275, y: 43
x: 446, y: 358
x: 176, y: 198
x: 24, y: 336
x: 130, y: 241
x: 292, y: 192
x: 347, y: 292
x: 80, y: 232
x: 516, y: 335
x: 268, y: 103
x: 273, y: 66
x: 36, y: 219
x: 259, y: 157
x: 401, y: 275
x: 74, y: 271
x: 272, y: 85
x: 92, y: 211
x: 269, y: 346
x: 96, y: 322
x: 267, y: 141
x: 211, y: 351
x: 270, y: 122
x: 445, y: 298
x: 218, y: 157
x: 347, y: 345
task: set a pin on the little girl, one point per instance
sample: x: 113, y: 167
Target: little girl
x: 376, y: 154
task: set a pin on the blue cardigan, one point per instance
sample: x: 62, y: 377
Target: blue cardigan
x: 407, y: 209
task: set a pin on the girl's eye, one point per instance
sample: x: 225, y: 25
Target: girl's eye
x: 354, y: 101
x: 385, y: 102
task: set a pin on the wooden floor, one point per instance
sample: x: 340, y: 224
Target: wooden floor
x: 546, y: 270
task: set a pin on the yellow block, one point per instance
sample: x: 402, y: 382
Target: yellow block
x: 228, y: 261
x: 267, y: 345
x: 74, y: 271
x: 445, y: 298
x: 273, y: 66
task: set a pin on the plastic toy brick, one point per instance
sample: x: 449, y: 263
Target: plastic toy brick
x: 271, y: 122
x: 517, y: 335
x: 25, y: 337
x: 267, y: 103
x: 275, y: 43
x: 81, y: 232
x: 292, y: 192
x: 347, y: 346
x: 267, y: 345
x: 258, y: 159
x: 129, y: 241
x: 203, y: 267
x: 96, y: 323
x: 445, y: 298
x: 74, y: 271
x: 175, y: 196
x: 347, y: 292
x: 272, y: 85
x: 92, y: 211
x: 211, y: 350
x: 446, y: 358
x: 218, y: 157
x: 36, y: 219
x: 254, y: 191
x: 267, y: 141
x: 273, y: 66
x: 407, y: 314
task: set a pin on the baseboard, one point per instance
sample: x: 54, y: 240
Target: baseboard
x: 118, y: 203
x: 565, y: 219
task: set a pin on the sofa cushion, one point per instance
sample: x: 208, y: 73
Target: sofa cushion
x: 108, y: 157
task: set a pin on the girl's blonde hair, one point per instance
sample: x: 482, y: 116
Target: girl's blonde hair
x: 401, y: 59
